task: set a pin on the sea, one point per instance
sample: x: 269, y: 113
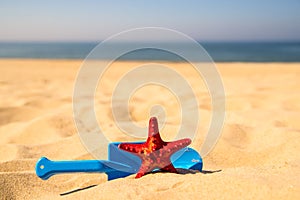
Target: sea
x: 218, y: 51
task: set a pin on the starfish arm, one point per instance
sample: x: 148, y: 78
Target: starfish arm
x: 132, y: 148
x: 178, y: 144
x: 153, y: 128
x: 169, y: 168
x: 145, y: 168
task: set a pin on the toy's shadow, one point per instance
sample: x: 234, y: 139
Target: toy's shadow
x: 188, y: 171
x: 210, y: 172
x: 77, y: 190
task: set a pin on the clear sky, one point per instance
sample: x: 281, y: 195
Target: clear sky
x: 209, y: 20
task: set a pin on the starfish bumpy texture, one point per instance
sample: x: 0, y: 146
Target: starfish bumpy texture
x: 155, y: 153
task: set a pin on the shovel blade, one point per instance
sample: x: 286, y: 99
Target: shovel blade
x: 186, y: 158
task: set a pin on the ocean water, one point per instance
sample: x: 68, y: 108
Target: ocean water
x: 219, y: 51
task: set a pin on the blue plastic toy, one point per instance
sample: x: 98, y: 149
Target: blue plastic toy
x: 119, y: 164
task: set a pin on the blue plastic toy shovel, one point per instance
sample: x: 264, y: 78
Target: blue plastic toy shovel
x: 119, y: 164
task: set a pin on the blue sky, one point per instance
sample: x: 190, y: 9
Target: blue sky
x: 209, y: 20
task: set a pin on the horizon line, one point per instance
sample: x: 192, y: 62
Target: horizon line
x: 200, y: 41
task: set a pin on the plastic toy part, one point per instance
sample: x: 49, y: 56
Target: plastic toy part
x: 46, y: 168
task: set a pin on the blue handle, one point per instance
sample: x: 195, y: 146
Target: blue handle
x: 45, y: 168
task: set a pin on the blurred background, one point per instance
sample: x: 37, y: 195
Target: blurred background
x: 237, y: 30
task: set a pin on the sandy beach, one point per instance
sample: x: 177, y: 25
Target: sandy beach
x: 257, y: 156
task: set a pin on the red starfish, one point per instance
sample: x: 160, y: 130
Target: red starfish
x: 155, y: 153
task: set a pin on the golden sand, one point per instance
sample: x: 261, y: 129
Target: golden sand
x: 258, y: 152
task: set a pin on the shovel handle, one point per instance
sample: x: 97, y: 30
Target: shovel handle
x: 46, y: 168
